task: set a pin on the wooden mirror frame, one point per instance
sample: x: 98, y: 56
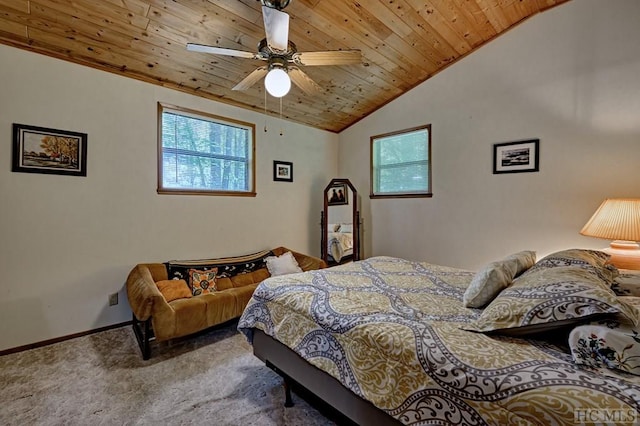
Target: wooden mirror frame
x: 355, y: 216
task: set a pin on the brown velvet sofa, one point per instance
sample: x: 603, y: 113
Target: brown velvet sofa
x: 237, y: 278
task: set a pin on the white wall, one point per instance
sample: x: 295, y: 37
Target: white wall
x: 570, y: 77
x: 68, y: 242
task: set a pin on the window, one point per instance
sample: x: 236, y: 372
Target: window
x: 204, y: 154
x: 401, y: 163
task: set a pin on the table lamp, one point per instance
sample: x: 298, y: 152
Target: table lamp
x: 618, y: 219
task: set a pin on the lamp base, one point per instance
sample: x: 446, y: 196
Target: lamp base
x: 624, y: 254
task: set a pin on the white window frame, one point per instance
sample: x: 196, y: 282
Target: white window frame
x: 375, y: 169
x: 251, y: 162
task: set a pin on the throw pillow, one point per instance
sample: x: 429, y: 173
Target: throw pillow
x: 495, y: 277
x: 174, y: 289
x: 202, y: 282
x: 549, y: 298
x: 283, y: 264
x: 611, y: 344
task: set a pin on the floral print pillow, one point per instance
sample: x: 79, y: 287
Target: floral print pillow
x: 607, y: 343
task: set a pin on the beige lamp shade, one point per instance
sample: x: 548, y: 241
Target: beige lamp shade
x: 618, y: 219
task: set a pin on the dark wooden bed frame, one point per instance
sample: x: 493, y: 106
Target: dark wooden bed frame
x: 296, y: 371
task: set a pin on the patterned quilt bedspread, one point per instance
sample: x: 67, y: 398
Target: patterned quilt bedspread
x: 340, y: 244
x: 389, y: 330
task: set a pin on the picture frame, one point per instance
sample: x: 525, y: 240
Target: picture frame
x: 338, y: 195
x: 48, y: 151
x: 282, y: 171
x: 516, y: 157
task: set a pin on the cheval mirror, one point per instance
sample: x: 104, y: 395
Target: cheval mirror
x: 340, y: 223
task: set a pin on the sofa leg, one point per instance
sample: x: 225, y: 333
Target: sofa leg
x: 142, y: 330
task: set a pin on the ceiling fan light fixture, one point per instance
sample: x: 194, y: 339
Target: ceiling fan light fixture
x: 277, y: 82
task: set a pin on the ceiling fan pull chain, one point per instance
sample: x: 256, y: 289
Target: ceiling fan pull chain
x: 265, y: 111
x: 281, y: 131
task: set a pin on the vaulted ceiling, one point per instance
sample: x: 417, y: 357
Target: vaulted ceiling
x: 403, y: 43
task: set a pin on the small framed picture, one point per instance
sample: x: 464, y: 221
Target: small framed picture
x: 516, y: 157
x: 49, y: 151
x: 282, y: 171
x: 338, y: 195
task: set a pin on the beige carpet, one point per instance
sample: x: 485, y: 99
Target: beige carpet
x: 101, y: 379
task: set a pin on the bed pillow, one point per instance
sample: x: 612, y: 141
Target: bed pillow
x: 611, y: 344
x: 549, y: 298
x: 627, y: 284
x: 283, y: 264
x: 346, y: 227
x: 174, y: 289
x: 593, y: 260
x: 202, y: 282
x: 495, y: 277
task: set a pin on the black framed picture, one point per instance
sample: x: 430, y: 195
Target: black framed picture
x: 282, y: 171
x: 48, y: 151
x: 338, y: 195
x: 516, y: 157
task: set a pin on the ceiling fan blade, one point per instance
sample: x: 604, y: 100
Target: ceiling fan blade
x: 330, y: 57
x: 193, y: 47
x: 276, y: 26
x: 303, y: 81
x: 252, y: 78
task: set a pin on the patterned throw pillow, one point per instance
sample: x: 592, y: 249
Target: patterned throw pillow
x: 202, y: 282
x: 610, y: 344
x: 561, y: 292
x: 495, y: 277
x: 174, y: 289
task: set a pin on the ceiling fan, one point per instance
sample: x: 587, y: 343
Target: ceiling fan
x: 281, y: 56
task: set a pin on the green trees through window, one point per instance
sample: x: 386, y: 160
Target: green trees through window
x: 204, y: 154
x: 401, y: 163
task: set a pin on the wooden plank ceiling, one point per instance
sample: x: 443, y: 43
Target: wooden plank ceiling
x: 403, y: 43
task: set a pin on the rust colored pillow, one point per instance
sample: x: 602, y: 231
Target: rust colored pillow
x: 202, y: 282
x: 174, y: 289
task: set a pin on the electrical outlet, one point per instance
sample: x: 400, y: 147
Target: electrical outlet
x: 113, y: 299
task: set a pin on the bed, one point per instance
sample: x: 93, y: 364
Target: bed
x: 340, y: 242
x: 389, y: 341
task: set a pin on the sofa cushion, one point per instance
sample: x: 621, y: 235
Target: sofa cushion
x: 221, y: 307
x: 174, y: 289
x: 242, y: 295
x: 202, y: 282
x: 255, y: 277
x: 223, y: 283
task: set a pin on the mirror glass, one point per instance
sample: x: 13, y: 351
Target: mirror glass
x: 340, y: 227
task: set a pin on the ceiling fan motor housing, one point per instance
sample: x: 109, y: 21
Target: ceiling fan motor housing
x: 276, y: 4
x: 267, y: 52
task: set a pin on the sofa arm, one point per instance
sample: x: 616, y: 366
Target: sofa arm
x: 306, y: 262
x: 144, y: 297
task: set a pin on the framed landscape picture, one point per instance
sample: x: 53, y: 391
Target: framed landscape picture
x: 49, y: 151
x: 282, y: 171
x: 516, y: 157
